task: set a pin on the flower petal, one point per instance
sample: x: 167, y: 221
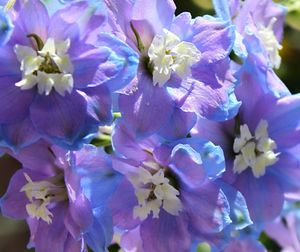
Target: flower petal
x: 62, y: 119
x: 20, y: 134
x: 167, y: 228
x: 148, y: 109
x: 187, y: 164
x: 263, y: 195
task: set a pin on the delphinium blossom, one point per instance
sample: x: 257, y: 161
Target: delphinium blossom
x: 57, y: 192
x: 259, y: 146
x: 204, y: 147
x: 183, y: 67
x: 262, y: 19
x: 168, y: 190
x: 56, y: 85
x: 258, y: 34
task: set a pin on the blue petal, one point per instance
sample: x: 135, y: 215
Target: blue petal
x: 99, y: 235
x: 222, y: 9
x: 212, y: 156
x: 6, y: 27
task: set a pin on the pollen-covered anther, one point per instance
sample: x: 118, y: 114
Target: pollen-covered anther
x: 47, y: 68
x: 270, y: 42
x: 169, y: 54
x: 41, y: 194
x: 256, y: 152
x: 154, y: 191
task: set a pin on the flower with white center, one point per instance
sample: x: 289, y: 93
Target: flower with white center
x: 270, y: 42
x: 47, y: 68
x: 41, y: 194
x: 153, y: 191
x: 255, y: 151
x: 169, y: 54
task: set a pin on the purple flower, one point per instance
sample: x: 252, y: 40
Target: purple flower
x: 167, y: 190
x: 56, y: 193
x: 258, y: 34
x: 183, y: 70
x: 261, y: 21
x: 260, y: 146
x: 55, y: 84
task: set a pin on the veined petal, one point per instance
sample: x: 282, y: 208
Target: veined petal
x: 59, y: 118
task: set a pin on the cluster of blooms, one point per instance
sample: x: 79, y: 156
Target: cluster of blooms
x: 194, y: 137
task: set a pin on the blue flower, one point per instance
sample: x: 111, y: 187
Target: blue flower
x: 260, y: 146
x: 183, y: 71
x: 55, y: 192
x: 56, y: 84
x: 168, y: 190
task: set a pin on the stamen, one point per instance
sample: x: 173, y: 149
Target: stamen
x: 255, y: 151
x: 271, y: 44
x: 153, y: 191
x: 41, y: 194
x: 48, y: 66
x: 169, y: 54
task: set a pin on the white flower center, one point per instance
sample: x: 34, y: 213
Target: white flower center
x: 167, y: 53
x: 153, y: 191
x: 271, y: 44
x: 255, y: 151
x: 48, y: 68
x: 41, y: 194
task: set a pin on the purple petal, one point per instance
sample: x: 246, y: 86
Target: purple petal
x: 59, y: 118
x: 208, y: 101
x: 79, y: 215
x: 285, y: 234
x: 207, y: 207
x: 167, y: 229
x: 124, y: 142
x: 13, y: 203
x: 14, y: 102
x: 187, y: 164
x: 287, y: 170
x: 99, y: 104
x: 162, y: 154
x: 213, y: 38
x: 92, y: 159
x: 15, y: 136
x: 9, y: 65
x: 180, y: 124
x: 37, y: 157
x: 159, y: 13
x: 73, y: 245
x: 263, y: 195
x: 131, y: 240
x: 87, y: 61
x: 283, y: 121
x: 148, y: 109
x: 122, y: 207
x: 220, y: 133
x: 246, y: 245
x: 63, y: 23
x: 181, y: 26
x: 56, y: 232
x: 36, y: 11
x: 121, y: 65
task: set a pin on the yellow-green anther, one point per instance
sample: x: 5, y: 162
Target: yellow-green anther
x: 9, y: 5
